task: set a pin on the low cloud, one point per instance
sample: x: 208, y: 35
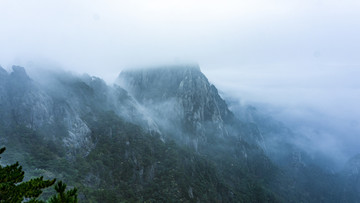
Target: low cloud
x: 317, y: 102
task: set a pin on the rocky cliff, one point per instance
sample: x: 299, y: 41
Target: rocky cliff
x: 183, y: 94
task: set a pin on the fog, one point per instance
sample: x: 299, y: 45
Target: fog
x: 297, y: 60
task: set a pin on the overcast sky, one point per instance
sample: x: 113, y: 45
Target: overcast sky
x: 302, y: 56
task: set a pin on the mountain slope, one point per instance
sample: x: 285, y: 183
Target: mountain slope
x: 159, y: 134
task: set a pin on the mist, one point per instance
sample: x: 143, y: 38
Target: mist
x: 317, y: 102
x: 296, y: 60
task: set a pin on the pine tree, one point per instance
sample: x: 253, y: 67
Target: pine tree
x: 12, y: 189
x: 69, y: 197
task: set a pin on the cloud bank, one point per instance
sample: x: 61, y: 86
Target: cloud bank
x: 300, y: 56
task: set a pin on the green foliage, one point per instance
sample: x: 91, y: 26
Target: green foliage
x: 12, y: 189
x: 63, y: 197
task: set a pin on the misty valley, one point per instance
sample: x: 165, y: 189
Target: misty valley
x: 158, y: 134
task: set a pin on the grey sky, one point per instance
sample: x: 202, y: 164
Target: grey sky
x: 301, y: 55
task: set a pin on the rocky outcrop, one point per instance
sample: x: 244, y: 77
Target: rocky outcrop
x: 182, y: 91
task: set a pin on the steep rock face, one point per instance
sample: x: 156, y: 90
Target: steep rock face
x: 183, y: 89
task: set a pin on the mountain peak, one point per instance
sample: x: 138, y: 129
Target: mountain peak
x: 198, y: 100
x: 19, y: 73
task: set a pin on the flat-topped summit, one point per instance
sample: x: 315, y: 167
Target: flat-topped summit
x: 157, y: 82
x: 173, y: 67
